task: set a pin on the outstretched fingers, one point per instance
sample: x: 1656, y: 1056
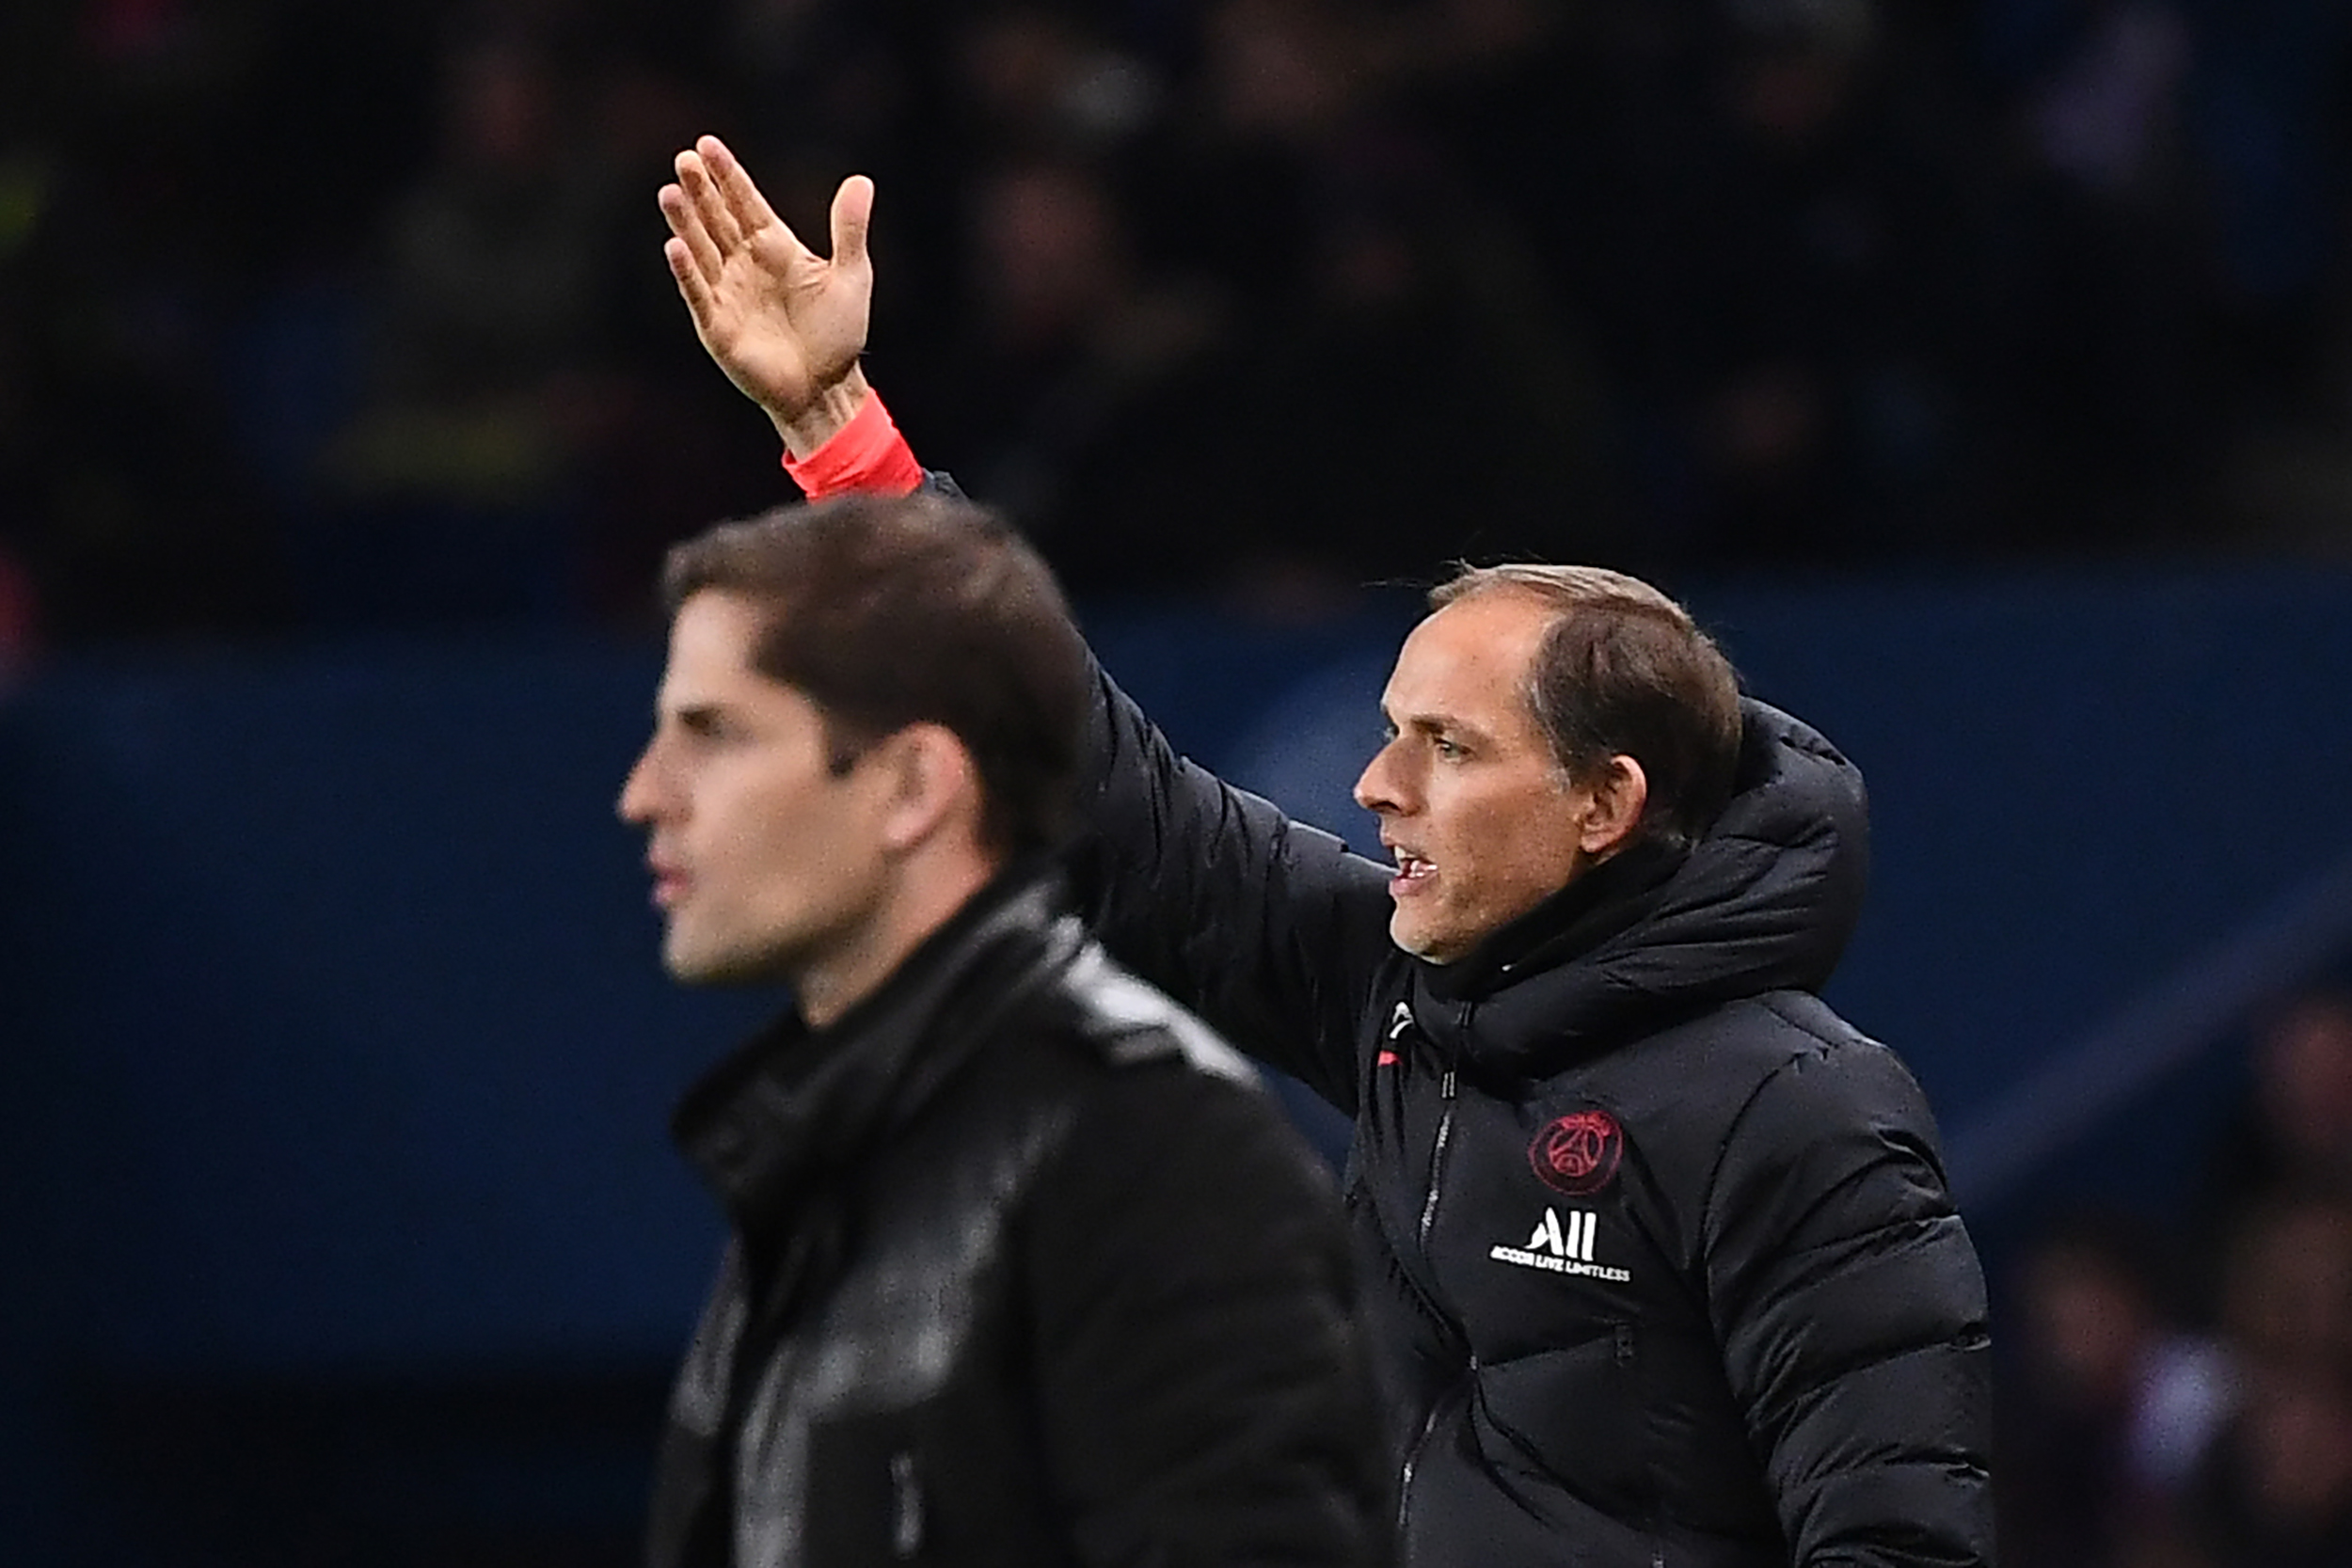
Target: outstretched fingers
x: 746, y: 206
x: 686, y: 223
x: 702, y: 193
x: 690, y: 283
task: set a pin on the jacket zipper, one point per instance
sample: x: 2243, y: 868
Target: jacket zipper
x: 1446, y: 1088
x: 1437, y: 1408
x: 1437, y: 1158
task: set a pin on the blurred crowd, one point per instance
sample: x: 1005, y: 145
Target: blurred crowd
x: 320, y: 316
x: 2177, y: 1393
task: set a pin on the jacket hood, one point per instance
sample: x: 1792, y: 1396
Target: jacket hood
x: 1765, y: 901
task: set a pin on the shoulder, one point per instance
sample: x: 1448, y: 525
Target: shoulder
x: 1815, y: 1069
x: 1783, y: 1041
x: 1130, y: 1023
x: 1759, y: 1089
x: 1829, y: 1133
x: 1169, y: 1119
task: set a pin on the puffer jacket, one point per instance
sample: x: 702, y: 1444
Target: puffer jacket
x: 1026, y: 1269
x: 1663, y: 1271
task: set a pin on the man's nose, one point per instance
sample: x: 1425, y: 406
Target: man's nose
x: 1373, y: 790
x: 638, y: 795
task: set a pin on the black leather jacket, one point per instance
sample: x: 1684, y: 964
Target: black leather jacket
x: 1024, y: 1271
x: 1662, y: 1266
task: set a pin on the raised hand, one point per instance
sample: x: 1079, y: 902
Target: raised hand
x: 784, y: 323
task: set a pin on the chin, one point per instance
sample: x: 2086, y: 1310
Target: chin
x: 1421, y: 944
x: 685, y: 969
x: 692, y: 968
x: 753, y: 966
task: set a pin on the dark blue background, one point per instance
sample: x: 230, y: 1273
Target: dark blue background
x: 339, y: 1057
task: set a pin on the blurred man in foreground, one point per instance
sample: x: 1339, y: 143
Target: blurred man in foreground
x: 1025, y: 1270
x: 1661, y: 1257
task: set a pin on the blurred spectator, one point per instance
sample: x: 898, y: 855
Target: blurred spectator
x: 1698, y: 281
x: 2112, y: 1406
x: 1252, y: 298
x: 2280, y: 1492
x: 461, y: 479
x: 1795, y: 298
x: 2293, y: 1135
x: 1400, y: 321
x: 671, y: 454
x: 116, y: 266
x: 1040, y: 81
x: 1083, y: 394
x: 2107, y: 117
x: 2277, y: 1488
x: 2286, y: 1288
x: 2109, y: 339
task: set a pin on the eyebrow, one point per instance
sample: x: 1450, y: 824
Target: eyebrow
x: 1435, y: 724
x: 698, y: 717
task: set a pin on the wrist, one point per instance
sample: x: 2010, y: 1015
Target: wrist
x: 809, y: 428
x: 863, y: 453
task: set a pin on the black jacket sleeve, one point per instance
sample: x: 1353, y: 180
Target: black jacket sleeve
x: 1851, y: 1309
x: 1270, y: 929
x: 1202, y: 1393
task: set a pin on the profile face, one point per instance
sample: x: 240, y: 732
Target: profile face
x: 1483, y: 822
x: 765, y: 860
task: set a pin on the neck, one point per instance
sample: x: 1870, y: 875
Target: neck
x: 927, y: 893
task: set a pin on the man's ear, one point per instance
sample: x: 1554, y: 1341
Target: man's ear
x: 1620, y: 791
x: 933, y: 784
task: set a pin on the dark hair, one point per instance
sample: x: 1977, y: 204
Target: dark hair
x: 1624, y: 670
x: 887, y: 612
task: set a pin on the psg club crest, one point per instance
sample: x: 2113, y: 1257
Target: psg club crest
x: 1578, y: 1153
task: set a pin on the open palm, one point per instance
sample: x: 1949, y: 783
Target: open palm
x: 783, y: 323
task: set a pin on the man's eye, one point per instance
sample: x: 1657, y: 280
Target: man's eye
x: 1450, y: 749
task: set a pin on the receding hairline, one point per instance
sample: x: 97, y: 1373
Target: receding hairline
x: 1667, y: 695
x: 1566, y: 588
x: 1561, y: 591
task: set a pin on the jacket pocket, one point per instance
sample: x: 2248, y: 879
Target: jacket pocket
x: 1572, y: 1420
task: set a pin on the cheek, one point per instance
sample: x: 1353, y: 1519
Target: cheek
x: 758, y: 832
x: 1516, y: 846
x: 808, y: 844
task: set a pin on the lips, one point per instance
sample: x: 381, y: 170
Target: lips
x: 1412, y: 872
x: 669, y: 883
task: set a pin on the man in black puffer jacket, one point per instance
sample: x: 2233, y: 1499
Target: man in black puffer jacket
x: 1025, y: 1269
x: 1663, y: 1262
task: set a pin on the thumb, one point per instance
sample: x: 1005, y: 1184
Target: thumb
x: 852, y: 210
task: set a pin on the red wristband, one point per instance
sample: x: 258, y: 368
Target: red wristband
x: 866, y: 455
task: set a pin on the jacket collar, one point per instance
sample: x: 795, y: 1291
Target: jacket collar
x: 793, y: 1103
x: 1596, y: 906
x: 1765, y: 901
